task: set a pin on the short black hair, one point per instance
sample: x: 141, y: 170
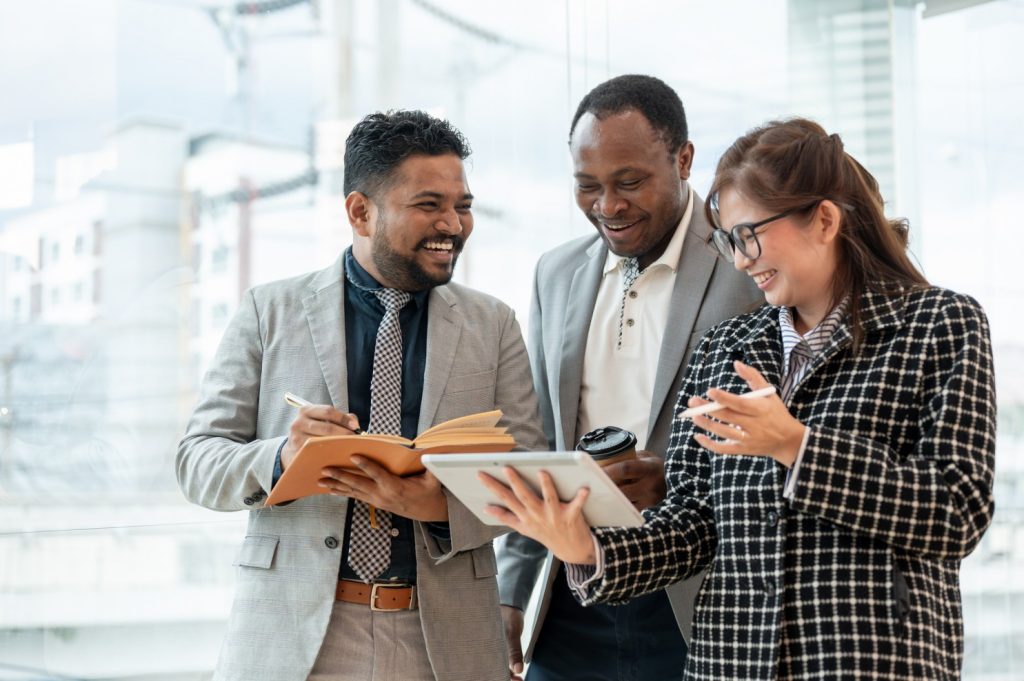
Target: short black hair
x: 658, y: 103
x: 381, y: 141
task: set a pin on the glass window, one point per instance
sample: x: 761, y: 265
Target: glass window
x: 183, y: 155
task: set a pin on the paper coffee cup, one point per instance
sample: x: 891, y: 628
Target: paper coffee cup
x: 608, y: 445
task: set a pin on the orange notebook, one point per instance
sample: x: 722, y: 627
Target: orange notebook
x: 399, y: 455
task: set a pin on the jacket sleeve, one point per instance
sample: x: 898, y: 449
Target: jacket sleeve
x: 678, y: 539
x: 937, y: 502
x: 219, y: 463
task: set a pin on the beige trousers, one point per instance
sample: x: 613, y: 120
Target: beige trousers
x: 363, y: 645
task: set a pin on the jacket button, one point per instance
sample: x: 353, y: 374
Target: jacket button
x: 331, y: 543
x: 769, y: 587
x: 772, y: 518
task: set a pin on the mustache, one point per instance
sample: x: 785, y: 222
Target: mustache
x: 454, y: 239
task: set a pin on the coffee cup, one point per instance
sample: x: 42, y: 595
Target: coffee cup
x: 608, y: 445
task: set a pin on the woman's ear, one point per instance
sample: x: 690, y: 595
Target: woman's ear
x: 357, y: 207
x: 829, y: 219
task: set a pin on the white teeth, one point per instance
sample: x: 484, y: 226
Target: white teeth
x: 439, y: 245
x: 617, y: 228
x: 764, y: 276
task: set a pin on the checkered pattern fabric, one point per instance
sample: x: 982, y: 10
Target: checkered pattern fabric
x: 630, y: 273
x: 369, y: 551
x: 857, y: 576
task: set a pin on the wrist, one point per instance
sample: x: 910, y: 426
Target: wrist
x: 582, y: 552
x: 793, y: 443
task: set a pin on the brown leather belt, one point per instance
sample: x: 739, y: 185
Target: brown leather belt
x: 381, y: 596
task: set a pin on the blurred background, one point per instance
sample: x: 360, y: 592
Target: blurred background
x: 158, y: 157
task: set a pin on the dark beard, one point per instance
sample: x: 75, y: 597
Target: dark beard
x: 405, y: 272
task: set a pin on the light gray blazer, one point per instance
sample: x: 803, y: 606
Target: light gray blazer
x: 707, y: 291
x: 290, y: 335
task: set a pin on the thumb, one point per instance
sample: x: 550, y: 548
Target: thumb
x: 751, y: 375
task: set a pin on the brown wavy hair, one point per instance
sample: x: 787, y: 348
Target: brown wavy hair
x: 793, y: 165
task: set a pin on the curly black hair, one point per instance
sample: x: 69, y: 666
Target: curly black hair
x: 381, y: 141
x: 659, y: 104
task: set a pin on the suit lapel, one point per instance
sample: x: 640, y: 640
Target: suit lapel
x: 762, y: 347
x: 580, y: 309
x: 444, y: 326
x: 325, y: 314
x: 693, y: 274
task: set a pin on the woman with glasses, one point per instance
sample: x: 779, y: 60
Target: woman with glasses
x: 831, y: 516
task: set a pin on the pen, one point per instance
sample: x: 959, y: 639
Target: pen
x: 297, y: 401
x: 715, y: 406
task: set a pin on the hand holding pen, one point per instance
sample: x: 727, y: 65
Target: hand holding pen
x: 315, y: 420
x: 754, y: 423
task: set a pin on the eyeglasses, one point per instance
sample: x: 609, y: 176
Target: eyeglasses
x: 743, y: 238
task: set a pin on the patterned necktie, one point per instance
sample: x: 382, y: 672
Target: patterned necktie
x: 630, y: 273
x: 369, y: 551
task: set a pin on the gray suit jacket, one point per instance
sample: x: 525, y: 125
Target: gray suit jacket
x: 707, y: 291
x: 290, y: 335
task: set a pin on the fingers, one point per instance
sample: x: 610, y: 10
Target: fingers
x: 512, y: 505
x: 547, y: 488
x: 322, y: 420
x: 512, y: 618
x: 719, y: 446
x: 696, y: 401
x: 575, y: 507
x: 724, y: 425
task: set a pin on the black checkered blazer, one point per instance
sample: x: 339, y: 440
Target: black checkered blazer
x: 857, y: 576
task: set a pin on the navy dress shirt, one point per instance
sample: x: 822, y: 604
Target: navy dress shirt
x: 363, y: 315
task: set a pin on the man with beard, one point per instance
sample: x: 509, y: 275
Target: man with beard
x: 614, y: 317
x: 385, y: 577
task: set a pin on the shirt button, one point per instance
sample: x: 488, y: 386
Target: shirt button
x: 633, y: 294
x: 769, y: 587
x: 394, y: 532
x: 630, y: 322
x: 331, y: 543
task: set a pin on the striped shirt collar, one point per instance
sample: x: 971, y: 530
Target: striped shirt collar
x: 806, y: 347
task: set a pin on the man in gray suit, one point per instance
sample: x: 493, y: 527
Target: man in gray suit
x: 613, y: 320
x: 385, y: 577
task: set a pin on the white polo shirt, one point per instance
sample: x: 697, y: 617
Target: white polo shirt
x: 618, y: 381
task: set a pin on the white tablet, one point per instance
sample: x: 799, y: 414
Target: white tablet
x: 606, y: 506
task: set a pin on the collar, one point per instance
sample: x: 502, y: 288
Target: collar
x: 670, y: 258
x: 816, y: 339
x: 364, y: 283
x: 878, y: 311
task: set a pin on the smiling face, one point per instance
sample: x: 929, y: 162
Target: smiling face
x: 410, y: 235
x: 798, y: 255
x: 628, y: 184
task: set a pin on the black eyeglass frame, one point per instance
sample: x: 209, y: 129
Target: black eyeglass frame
x: 727, y: 242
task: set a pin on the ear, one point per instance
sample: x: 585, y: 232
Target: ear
x: 684, y: 160
x: 829, y: 218
x: 357, y: 207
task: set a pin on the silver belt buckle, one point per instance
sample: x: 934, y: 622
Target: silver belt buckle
x: 387, y: 585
